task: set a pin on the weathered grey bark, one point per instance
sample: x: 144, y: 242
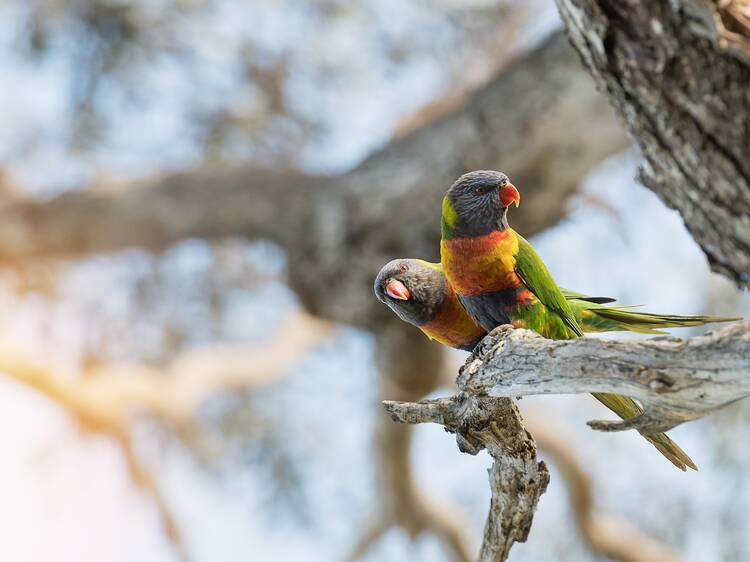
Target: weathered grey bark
x: 517, y: 480
x: 676, y: 380
x: 540, y: 120
x: 681, y: 87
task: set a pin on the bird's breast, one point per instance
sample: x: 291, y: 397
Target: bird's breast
x: 453, y: 326
x: 479, y: 264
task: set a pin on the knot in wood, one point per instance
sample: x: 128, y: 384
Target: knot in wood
x: 659, y: 381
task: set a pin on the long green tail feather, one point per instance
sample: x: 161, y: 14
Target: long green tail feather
x: 627, y: 408
x: 594, y: 318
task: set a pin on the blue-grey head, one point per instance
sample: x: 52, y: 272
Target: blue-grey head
x: 477, y: 204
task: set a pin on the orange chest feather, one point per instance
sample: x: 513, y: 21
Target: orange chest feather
x: 452, y: 325
x: 481, y: 264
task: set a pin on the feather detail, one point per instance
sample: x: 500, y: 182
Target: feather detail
x: 537, y: 278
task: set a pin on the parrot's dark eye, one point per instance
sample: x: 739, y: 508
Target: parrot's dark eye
x: 481, y: 190
x: 403, y: 268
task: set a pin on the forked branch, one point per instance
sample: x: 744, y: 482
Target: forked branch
x: 517, y: 480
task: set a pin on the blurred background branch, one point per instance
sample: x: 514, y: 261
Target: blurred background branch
x: 94, y: 415
x: 105, y: 400
x: 108, y: 395
x: 540, y: 119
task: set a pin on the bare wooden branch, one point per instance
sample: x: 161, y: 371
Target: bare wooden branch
x: 517, y: 480
x: 675, y: 380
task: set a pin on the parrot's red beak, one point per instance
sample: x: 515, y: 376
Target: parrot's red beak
x: 509, y: 194
x: 397, y: 290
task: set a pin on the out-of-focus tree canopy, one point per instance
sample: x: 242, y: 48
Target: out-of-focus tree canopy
x: 273, y: 82
x: 229, y: 169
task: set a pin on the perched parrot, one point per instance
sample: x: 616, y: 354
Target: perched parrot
x: 418, y: 293
x: 500, y: 279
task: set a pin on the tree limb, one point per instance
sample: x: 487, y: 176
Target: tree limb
x: 675, y: 380
x: 681, y: 88
x: 517, y: 480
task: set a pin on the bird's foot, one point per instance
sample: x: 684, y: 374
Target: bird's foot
x: 502, y: 329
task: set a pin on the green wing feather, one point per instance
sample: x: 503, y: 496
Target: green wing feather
x: 537, y: 278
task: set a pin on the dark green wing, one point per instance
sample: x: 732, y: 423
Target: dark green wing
x: 575, y: 296
x: 537, y: 278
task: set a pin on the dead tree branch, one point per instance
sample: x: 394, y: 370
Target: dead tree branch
x: 517, y: 480
x: 675, y: 380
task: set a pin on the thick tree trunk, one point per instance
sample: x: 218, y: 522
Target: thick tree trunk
x: 683, y: 91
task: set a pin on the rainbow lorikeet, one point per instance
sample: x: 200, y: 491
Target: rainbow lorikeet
x: 418, y: 293
x: 500, y: 279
